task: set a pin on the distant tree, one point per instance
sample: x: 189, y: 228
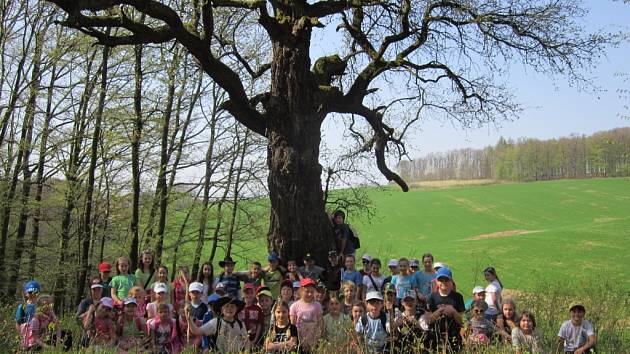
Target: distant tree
x: 439, y: 57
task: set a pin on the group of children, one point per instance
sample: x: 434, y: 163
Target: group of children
x: 277, y: 309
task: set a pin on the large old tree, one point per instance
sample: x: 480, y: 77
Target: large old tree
x: 385, y: 65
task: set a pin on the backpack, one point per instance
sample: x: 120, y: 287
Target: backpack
x: 212, y: 339
x: 354, y: 238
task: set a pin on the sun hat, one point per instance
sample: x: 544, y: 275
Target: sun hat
x: 373, y: 295
x: 218, y: 304
x: 273, y: 257
x: 129, y: 301
x: 104, y: 267
x: 392, y: 263
x: 107, y: 302
x: 160, y: 288
x: 478, y: 289
x: 32, y: 286
x: 195, y: 286
x: 444, y: 273
x: 307, y: 282
x: 225, y: 261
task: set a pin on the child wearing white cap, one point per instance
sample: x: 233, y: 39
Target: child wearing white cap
x: 160, y: 290
x: 373, y: 326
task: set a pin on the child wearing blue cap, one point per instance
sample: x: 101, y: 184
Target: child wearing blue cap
x: 446, y: 307
x: 26, y: 310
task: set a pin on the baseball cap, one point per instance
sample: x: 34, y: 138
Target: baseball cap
x: 307, y: 282
x: 273, y: 257
x: 107, y: 302
x: 286, y: 282
x: 308, y: 256
x: 373, y: 295
x: 296, y: 284
x: 96, y: 284
x: 32, y: 286
x: 414, y: 263
x: 438, y: 265
x: 160, y: 288
x: 249, y: 286
x: 265, y: 292
x: 104, y: 267
x: 577, y: 305
x: 366, y: 257
x: 332, y: 253
x: 478, y: 289
x: 444, y: 273
x: 410, y: 294
x: 220, y: 287
x: 129, y: 301
x: 195, y: 286
x: 392, y: 263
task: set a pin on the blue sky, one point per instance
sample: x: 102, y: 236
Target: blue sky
x: 554, y: 108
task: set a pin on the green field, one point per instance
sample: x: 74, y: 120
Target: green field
x: 569, y: 231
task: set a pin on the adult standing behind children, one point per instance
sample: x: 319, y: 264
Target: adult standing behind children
x: 446, y: 308
x: 425, y: 278
x: 342, y: 234
x: 577, y: 335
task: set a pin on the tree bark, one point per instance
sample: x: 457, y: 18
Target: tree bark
x: 293, y: 133
x: 135, y: 156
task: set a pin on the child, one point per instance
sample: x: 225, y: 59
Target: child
x: 254, y: 276
x: 273, y: 275
x: 26, y: 310
x: 104, y: 272
x: 393, y: 270
x: 252, y: 315
x: 357, y: 310
x: 293, y: 274
x: 265, y: 301
x: 493, y: 293
x: 139, y: 295
x: 161, y: 277
x: 100, y: 326
x: 96, y: 292
x: 283, y: 337
x: 296, y: 291
x: 526, y: 338
x: 228, y: 334
x: 130, y: 328
x: 229, y: 278
x: 373, y: 281
x: 162, y: 330
x: 404, y: 281
x: 480, y: 329
x: 366, y: 259
x: 180, y: 286
x: 577, y: 335
x: 198, y: 308
x: 206, y: 277
x: 478, y: 293
x: 310, y: 270
x: 409, y: 324
x: 350, y: 273
x: 161, y: 297
x: 348, y: 291
x: 507, y: 320
x: 146, y: 270
x: 332, y: 273
x: 372, y: 327
x: 123, y: 281
x: 321, y: 296
x: 307, y: 315
x: 425, y: 278
x: 337, y: 325
x: 286, y: 292
x: 39, y: 327
x: 446, y: 307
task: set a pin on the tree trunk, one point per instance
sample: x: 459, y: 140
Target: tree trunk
x: 135, y: 156
x: 85, y: 233
x: 29, y: 118
x: 242, y: 147
x: 298, y: 221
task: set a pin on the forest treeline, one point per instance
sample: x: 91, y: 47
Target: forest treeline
x: 603, y: 154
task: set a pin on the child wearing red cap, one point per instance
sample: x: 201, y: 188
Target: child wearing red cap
x: 307, y: 315
x: 252, y: 315
x: 105, y: 271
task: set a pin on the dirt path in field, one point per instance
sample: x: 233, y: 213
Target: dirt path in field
x: 500, y: 234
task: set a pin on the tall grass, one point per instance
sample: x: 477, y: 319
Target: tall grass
x: 607, y: 307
